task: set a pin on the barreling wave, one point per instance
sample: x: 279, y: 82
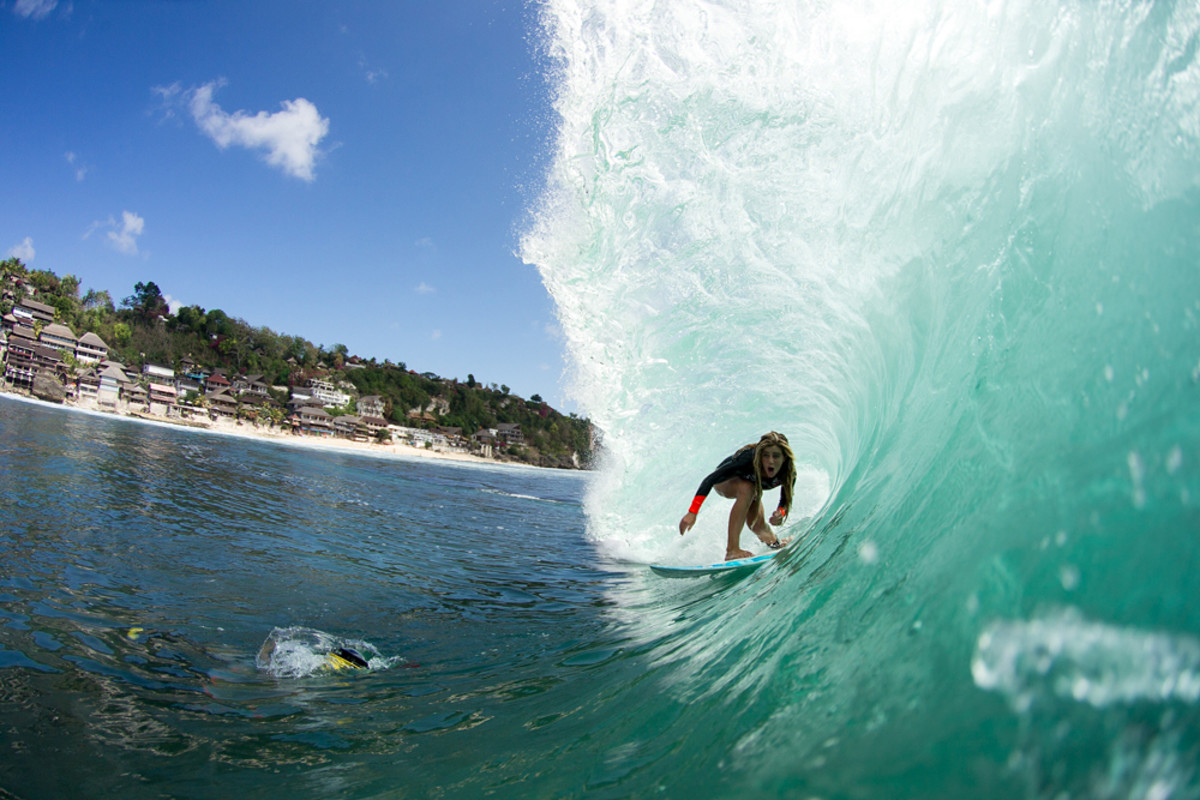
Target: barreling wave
x: 949, y: 249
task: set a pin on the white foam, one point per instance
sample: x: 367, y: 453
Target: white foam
x: 1063, y: 655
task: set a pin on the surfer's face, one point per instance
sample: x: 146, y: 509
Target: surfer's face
x: 772, y: 461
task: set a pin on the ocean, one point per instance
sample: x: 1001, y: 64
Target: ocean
x: 951, y: 250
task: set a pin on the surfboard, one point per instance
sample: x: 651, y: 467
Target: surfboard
x: 754, y: 562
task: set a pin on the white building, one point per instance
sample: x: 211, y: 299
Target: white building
x: 60, y: 337
x: 90, y: 349
x: 328, y: 394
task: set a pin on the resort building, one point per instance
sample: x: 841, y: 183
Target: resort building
x: 87, y: 385
x: 186, y: 383
x: 161, y: 391
x: 510, y: 433
x: 113, y: 382
x: 217, y: 382
x: 136, y: 396
x: 27, y: 358
x: 252, y: 385
x: 30, y: 311
x: 60, y: 337
x: 222, y: 402
x: 90, y: 349
x: 328, y: 394
x: 313, y: 419
x: 371, y: 406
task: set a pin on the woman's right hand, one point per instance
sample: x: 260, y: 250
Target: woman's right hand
x: 685, y: 524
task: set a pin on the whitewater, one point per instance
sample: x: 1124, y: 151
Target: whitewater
x: 950, y: 249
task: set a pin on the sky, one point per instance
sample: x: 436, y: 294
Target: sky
x: 354, y: 173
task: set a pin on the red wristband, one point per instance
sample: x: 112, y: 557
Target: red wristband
x: 697, y: 501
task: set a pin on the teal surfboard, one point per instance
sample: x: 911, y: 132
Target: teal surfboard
x: 754, y: 562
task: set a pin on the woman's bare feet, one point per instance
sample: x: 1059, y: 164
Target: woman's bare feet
x: 734, y: 554
x: 772, y: 541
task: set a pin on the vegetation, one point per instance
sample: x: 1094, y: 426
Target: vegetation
x: 142, y: 330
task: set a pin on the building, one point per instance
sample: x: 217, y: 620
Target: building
x: 510, y: 433
x: 160, y: 386
x: 30, y: 311
x: 113, y: 383
x: 60, y: 337
x: 371, y: 406
x: 222, y: 403
x: 90, y: 349
x: 313, y: 419
x: 251, y: 385
x: 328, y: 394
x: 27, y: 358
x: 347, y: 425
x: 217, y: 382
x: 87, y: 385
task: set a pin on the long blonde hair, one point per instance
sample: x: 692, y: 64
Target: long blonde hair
x: 773, y: 439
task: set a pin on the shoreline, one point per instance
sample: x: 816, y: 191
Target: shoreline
x: 231, y: 428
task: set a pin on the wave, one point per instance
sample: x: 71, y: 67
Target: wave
x: 950, y: 250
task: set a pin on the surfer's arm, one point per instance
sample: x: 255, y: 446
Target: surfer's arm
x: 727, y: 469
x: 689, y: 519
x: 779, y: 516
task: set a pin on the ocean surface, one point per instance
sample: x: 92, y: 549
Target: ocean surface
x: 951, y: 249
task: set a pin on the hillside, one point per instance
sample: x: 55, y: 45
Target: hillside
x: 141, y: 329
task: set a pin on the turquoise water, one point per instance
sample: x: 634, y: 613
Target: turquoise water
x: 950, y: 249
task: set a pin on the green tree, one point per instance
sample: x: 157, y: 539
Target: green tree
x: 98, y: 301
x: 122, y: 334
x: 147, y: 301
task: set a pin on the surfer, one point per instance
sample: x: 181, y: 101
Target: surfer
x: 742, y: 477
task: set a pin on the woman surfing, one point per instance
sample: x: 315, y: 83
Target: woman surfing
x: 742, y: 477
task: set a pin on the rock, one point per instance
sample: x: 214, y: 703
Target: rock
x: 48, y: 387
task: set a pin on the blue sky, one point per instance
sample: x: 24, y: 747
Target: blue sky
x: 353, y: 173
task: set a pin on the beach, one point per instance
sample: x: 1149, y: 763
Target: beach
x: 278, y: 435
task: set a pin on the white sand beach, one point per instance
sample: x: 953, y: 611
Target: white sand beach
x: 283, y: 436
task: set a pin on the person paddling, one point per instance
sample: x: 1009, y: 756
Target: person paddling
x: 742, y: 477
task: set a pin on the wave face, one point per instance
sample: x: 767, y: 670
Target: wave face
x: 953, y: 251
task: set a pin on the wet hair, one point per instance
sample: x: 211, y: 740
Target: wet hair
x: 788, y: 476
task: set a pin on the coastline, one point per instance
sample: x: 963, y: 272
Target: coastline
x: 243, y: 430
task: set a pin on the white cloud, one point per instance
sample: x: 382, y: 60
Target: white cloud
x: 373, y: 75
x: 23, y: 251
x: 122, y: 237
x: 173, y: 305
x: 425, y: 288
x: 169, y: 99
x: 81, y: 169
x: 289, y: 137
x: 125, y: 239
x: 35, y: 9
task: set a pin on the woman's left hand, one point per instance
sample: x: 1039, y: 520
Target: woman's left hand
x: 778, y: 517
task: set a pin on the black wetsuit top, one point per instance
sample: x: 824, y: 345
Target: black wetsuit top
x: 738, y: 465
